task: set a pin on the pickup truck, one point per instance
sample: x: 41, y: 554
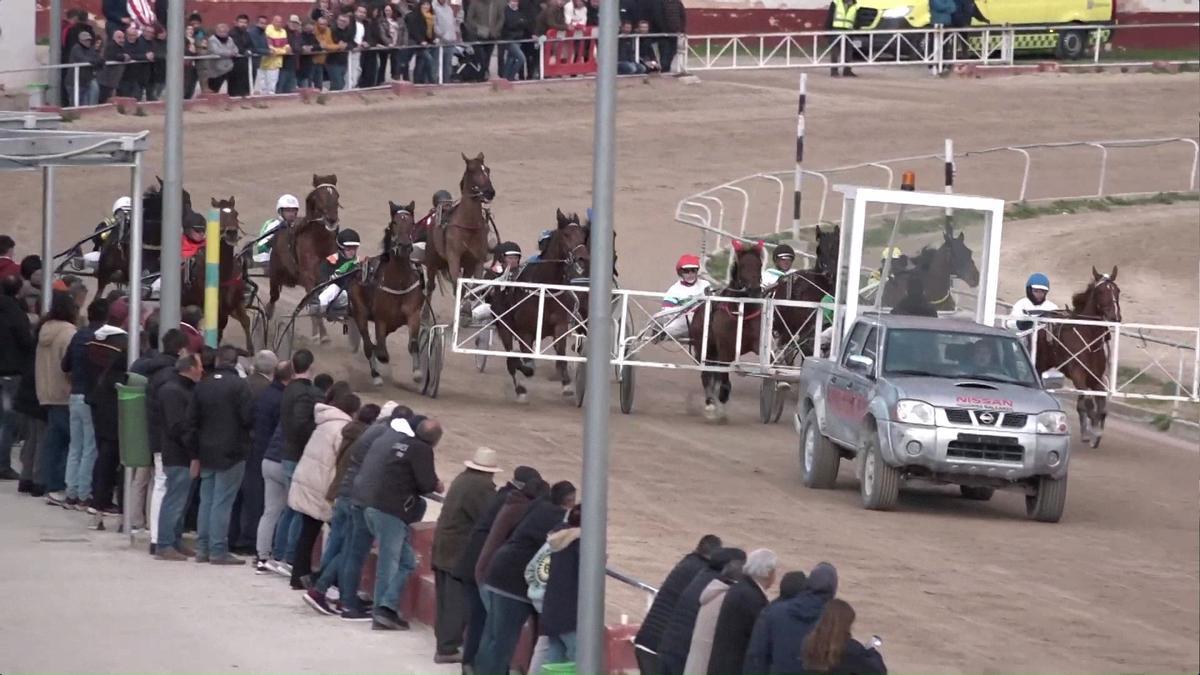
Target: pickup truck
x: 937, y: 400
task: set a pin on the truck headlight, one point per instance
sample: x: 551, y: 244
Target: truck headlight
x: 897, y: 12
x: 1052, y: 422
x: 911, y: 411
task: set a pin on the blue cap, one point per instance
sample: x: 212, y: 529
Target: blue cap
x: 589, y: 214
x: 1038, y: 280
x: 545, y: 235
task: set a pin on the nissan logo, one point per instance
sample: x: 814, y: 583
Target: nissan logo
x: 987, y: 418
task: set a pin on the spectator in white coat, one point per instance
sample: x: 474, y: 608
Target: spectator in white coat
x: 446, y: 33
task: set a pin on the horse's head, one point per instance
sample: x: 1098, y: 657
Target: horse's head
x: 569, y: 243
x: 962, y: 260
x: 227, y: 216
x: 323, y: 203
x: 1106, y: 294
x: 828, y: 244
x: 397, y: 236
x: 747, y: 267
x: 477, y: 179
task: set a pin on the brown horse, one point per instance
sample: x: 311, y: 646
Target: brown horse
x: 231, y: 296
x: 566, y: 260
x: 1081, y: 351
x: 296, y: 253
x: 723, y: 327
x: 458, y: 245
x: 113, y: 265
x: 392, y: 296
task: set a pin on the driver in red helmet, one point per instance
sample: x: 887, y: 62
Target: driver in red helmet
x: 682, y: 297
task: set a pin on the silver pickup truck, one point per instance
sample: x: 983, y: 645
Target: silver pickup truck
x: 937, y: 400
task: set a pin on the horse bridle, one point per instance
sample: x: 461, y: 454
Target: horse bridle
x: 235, y: 231
x: 324, y: 219
x: 1105, y: 280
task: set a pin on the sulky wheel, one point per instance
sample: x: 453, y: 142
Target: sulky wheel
x: 626, y: 381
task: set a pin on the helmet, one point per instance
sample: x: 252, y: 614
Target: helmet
x: 891, y: 252
x: 122, y: 204
x: 784, y: 251
x: 348, y: 237
x: 508, y: 248
x: 286, y: 202
x: 442, y: 196
x: 686, y: 262
x: 1039, y: 281
x: 545, y: 235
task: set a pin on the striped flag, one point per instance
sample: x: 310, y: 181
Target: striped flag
x: 142, y: 12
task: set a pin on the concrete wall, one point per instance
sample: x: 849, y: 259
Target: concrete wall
x: 17, y: 48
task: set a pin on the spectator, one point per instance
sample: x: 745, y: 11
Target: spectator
x: 241, y: 77
x: 711, y: 599
x: 296, y: 406
x: 82, y: 456
x: 314, y: 474
x: 552, y: 17
x: 156, y: 70
x: 674, y: 17
x: 267, y: 439
x: 419, y: 25
x: 30, y: 295
x: 136, y: 77
x: 593, y: 12
x: 505, y: 592
x: 655, y: 624
x: 178, y: 458
x: 515, y: 27
x: 8, y: 266
x: 105, y: 367
x: 337, y: 60
x: 676, y: 641
x: 311, y: 68
x: 288, y: 73
x: 77, y: 22
x: 158, y: 369
x: 115, y: 57
x: 248, y: 507
x: 647, y: 56
x: 220, y: 70
x: 78, y: 291
x: 446, y: 32
x: 259, y: 48
x: 83, y: 51
x: 575, y: 14
x: 193, y: 46
x: 830, y: 647
x: 196, y: 22
x: 221, y: 417
x: 486, y: 18
x: 561, y: 601
x: 389, y: 485
x: 781, y: 628
x: 320, y: 9
x: 116, y: 16
x: 19, y: 348
x: 398, y: 38
x: 627, y: 51
x: 466, y: 499
x: 740, y: 609
x: 355, y: 60
x: 372, y: 26
x: 274, y: 41
x: 190, y: 321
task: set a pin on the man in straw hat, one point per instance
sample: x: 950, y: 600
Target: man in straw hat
x: 466, y: 500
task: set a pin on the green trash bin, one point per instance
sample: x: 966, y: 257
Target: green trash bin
x: 558, y: 668
x: 131, y: 423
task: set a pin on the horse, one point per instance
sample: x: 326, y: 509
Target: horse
x: 457, y: 246
x: 723, y: 327
x: 807, y: 286
x: 936, y: 267
x: 1081, y: 351
x: 296, y: 253
x: 231, y: 295
x: 113, y: 265
x: 567, y: 260
x: 392, y: 294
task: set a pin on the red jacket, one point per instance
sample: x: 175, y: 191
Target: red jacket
x: 9, y: 268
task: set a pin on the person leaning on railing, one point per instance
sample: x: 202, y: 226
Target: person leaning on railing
x: 84, y: 52
x: 221, y: 45
x: 627, y: 58
x: 514, y: 28
x: 115, y: 58
x: 419, y: 25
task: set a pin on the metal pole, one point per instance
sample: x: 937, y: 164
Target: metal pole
x: 55, y: 75
x: 949, y: 178
x: 212, y: 277
x: 593, y: 544
x: 135, y: 262
x: 798, y: 179
x: 47, y: 236
x: 172, y: 215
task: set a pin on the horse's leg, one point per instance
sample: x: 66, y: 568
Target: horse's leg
x: 1099, y: 414
x: 1085, y: 422
x: 515, y: 372
x: 560, y: 348
x: 414, y: 342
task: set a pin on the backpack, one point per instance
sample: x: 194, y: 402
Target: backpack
x: 537, y: 573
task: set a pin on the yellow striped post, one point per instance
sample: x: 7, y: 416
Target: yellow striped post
x: 212, y: 277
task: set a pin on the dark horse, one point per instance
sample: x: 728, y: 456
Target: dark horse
x: 113, y: 266
x: 935, y: 267
x: 566, y: 261
x: 457, y: 246
x: 797, y: 323
x: 231, y: 295
x: 1081, y: 351
x: 392, y: 295
x: 296, y: 254
x: 726, y: 321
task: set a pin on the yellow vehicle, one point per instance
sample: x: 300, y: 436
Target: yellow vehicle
x: 1060, y: 15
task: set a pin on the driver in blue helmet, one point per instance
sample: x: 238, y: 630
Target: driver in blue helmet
x: 1035, y: 303
x: 542, y: 242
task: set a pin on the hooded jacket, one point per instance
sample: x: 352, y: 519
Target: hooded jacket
x: 743, y: 603
x: 266, y: 418
x: 16, y: 337
x: 177, y: 437
x: 355, y: 455
x: 465, y: 567
x: 75, y: 360
x: 781, y: 628
x: 104, y: 365
x: 318, y: 465
x: 506, y: 571
x: 53, y: 340
x: 158, y: 369
x: 561, y: 601
x: 350, y: 433
x: 711, y: 599
x: 221, y: 416
x: 676, y: 641
x: 396, y: 472
x: 516, y: 503
x: 296, y: 416
x: 655, y: 623
x: 465, y: 502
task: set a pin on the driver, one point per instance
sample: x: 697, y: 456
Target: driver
x: 190, y: 244
x: 982, y: 360
x: 505, y: 266
x: 121, y: 210
x: 287, y: 209
x: 442, y: 200
x: 783, y: 258
x: 542, y: 242
x: 899, y: 263
x: 682, y: 298
x: 339, y: 265
x: 1034, y: 304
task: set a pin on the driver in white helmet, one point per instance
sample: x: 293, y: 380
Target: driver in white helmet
x: 287, y: 210
x: 506, y: 264
x: 681, y: 299
x: 120, y: 214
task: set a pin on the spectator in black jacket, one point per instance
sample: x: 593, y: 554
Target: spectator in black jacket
x: 505, y: 589
x: 83, y: 51
x: 627, y: 52
x: 560, y: 605
x: 135, y: 81
x: 290, y: 71
x: 390, y: 484
x: 275, y: 487
x: 296, y: 420
x: 781, y: 628
x: 82, y: 455
x: 177, y: 453
x: 221, y: 416
x: 156, y: 44
x: 116, y: 16
x: 516, y: 27
x: 105, y: 368
x: 240, y: 77
x: 677, y: 638
x: 337, y: 61
x: 674, y: 21
x: 16, y: 354
x: 647, y: 55
x: 419, y: 24
x: 158, y: 368
x: 248, y: 507
x: 830, y: 647
x: 739, y: 610
x: 655, y: 623
x: 116, y: 56
x: 308, y: 74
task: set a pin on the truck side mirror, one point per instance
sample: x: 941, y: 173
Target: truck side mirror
x: 1053, y: 379
x: 860, y: 364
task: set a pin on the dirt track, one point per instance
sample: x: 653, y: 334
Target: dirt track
x: 950, y: 585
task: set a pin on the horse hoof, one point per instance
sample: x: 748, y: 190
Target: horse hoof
x: 417, y: 376
x: 1095, y: 441
x: 377, y: 381
x: 325, y: 339
x: 523, y: 399
x: 568, y: 390
x: 710, y: 411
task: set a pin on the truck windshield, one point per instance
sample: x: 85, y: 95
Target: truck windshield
x: 960, y: 356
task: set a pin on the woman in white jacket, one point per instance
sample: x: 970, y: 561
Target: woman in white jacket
x: 314, y: 474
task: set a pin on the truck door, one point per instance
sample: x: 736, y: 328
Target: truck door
x: 839, y: 404
x: 861, y: 384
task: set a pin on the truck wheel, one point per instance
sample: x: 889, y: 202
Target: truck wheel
x: 819, y: 459
x: 1072, y: 45
x: 1048, y: 504
x: 880, y: 484
x: 979, y: 494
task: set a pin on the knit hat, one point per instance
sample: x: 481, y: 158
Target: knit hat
x: 522, y: 475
